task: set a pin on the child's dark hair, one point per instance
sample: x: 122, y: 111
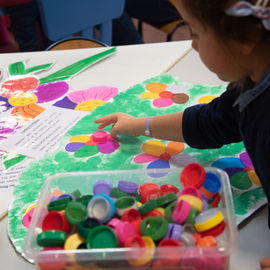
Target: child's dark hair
x: 241, y: 29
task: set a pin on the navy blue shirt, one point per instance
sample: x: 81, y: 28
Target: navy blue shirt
x: 235, y: 116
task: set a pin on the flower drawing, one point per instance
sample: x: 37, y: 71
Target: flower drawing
x: 162, y: 156
x: 86, y: 146
x: 164, y: 95
x: 88, y: 99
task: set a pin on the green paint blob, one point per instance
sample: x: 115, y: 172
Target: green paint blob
x: 18, y: 68
x: 241, y: 180
x: 9, y: 162
x: 86, y: 151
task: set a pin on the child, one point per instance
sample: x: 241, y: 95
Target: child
x: 232, y: 38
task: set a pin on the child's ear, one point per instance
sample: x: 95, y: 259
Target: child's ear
x: 246, y: 48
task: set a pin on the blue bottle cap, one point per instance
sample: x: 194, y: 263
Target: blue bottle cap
x: 101, y: 207
x: 212, y: 183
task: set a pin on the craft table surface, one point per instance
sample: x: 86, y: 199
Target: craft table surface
x: 131, y: 65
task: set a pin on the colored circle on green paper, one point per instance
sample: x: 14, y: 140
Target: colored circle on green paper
x: 241, y: 180
x: 86, y: 151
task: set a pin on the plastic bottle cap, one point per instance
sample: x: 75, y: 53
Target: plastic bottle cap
x: 190, y: 190
x: 99, y: 136
x: 187, y: 239
x: 144, y: 190
x: 84, y: 199
x: 174, y: 232
x: 75, y: 212
x: 71, y: 196
x: 51, y: 238
x: 148, y: 253
x: 154, y: 227
x: 169, y: 243
x: 55, y: 220
x: 168, y: 212
x: 101, y: 207
x: 102, y: 237
x: 85, y: 226
x: 124, y: 203
x: 181, y: 211
x: 102, y: 187
x: 206, y: 193
x: 135, y: 241
x: 166, y: 199
x: 59, y: 204
x: 147, y: 207
x: 73, y: 241
x: 114, y: 222
x: 215, y: 201
x: 27, y: 218
x: 124, y: 230
x: 192, y: 175
x: 131, y: 215
x: 212, y: 183
x: 116, y: 193
x: 193, y: 213
x: 208, y: 219
x: 128, y: 186
x: 216, y: 231
x: 154, y: 213
x: 207, y: 241
x: 194, y: 202
x: 167, y: 188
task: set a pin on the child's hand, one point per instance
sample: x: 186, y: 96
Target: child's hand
x: 122, y: 124
x: 265, y: 263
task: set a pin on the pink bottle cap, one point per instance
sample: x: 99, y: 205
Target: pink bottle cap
x: 100, y: 136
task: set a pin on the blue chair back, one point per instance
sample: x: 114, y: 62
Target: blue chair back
x: 63, y: 18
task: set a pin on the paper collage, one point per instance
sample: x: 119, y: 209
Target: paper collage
x: 24, y: 96
x: 78, y: 151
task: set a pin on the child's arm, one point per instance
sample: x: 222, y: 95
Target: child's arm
x: 167, y: 127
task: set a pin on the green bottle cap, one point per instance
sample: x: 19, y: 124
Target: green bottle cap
x: 191, y: 216
x: 76, y: 193
x: 85, y: 226
x: 75, y: 212
x: 154, y: 227
x: 84, y: 199
x: 51, y: 239
x: 168, y: 212
x: 166, y: 199
x: 102, y: 237
x: 59, y: 204
x: 117, y: 193
x: 147, y: 207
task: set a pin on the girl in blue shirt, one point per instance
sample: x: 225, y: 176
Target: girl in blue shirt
x: 233, y: 40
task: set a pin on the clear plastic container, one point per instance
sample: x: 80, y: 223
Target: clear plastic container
x: 188, y: 258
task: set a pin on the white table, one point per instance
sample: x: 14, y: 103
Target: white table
x: 131, y: 65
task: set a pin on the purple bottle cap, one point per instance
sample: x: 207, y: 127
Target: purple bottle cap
x: 169, y: 232
x: 205, y: 204
x: 102, y: 186
x: 127, y: 186
x: 176, y: 232
x: 67, y: 195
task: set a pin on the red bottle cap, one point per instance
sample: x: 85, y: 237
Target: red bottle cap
x: 192, y: 175
x: 55, y: 220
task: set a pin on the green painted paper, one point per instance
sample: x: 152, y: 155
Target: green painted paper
x: 18, y: 68
x: 60, y: 161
